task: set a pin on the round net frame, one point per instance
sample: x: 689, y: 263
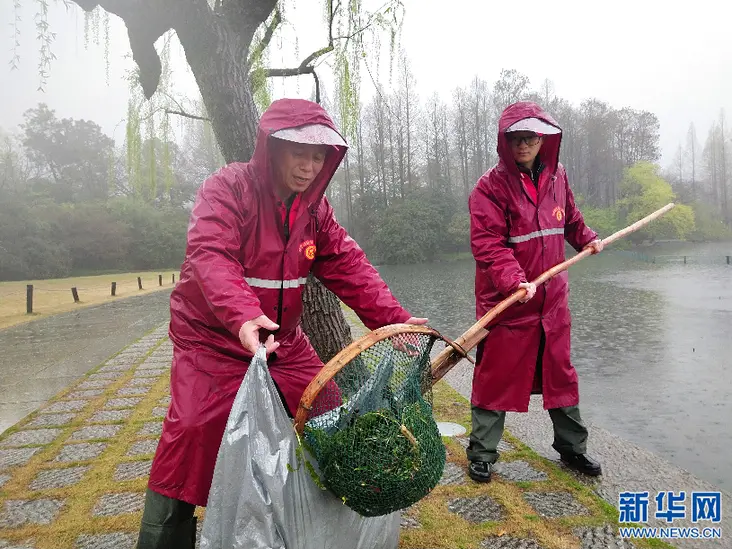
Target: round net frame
x: 367, y: 419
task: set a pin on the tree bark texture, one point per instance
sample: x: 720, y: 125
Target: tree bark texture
x: 329, y: 332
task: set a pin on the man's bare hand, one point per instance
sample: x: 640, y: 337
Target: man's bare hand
x: 596, y: 246
x: 530, y: 289
x: 418, y: 321
x: 409, y: 343
x: 249, y: 334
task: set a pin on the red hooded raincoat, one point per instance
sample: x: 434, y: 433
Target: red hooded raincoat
x: 239, y: 265
x: 517, y: 233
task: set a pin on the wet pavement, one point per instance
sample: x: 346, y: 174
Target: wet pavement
x: 40, y: 358
x: 88, y: 454
x: 116, y: 413
x: 626, y: 466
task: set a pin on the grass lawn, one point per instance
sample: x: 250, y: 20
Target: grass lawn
x: 54, y: 295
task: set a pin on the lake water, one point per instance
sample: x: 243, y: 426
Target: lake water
x: 651, y: 343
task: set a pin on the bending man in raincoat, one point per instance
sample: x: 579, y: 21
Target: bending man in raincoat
x: 256, y: 230
x: 521, y: 212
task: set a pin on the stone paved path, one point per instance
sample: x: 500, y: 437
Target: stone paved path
x: 626, y: 466
x: 45, y: 356
x: 73, y: 474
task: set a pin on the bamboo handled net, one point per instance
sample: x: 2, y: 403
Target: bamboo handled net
x: 367, y: 415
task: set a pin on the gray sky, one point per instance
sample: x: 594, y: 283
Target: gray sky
x: 643, y: 54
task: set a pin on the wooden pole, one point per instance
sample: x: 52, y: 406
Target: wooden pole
x: 75, y: 293
x: 160, y: 280
x: 139, y: 282
x: 114, y: 288
x: 29, y: 299
x: 173, y: 278
x: 444, y: 362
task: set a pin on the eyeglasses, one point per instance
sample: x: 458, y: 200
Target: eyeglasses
x: 530, y: 140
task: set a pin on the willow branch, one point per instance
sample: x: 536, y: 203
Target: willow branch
x: 297, y: 71
x: 330, y: 20
x: 354, y: 34
x: 304, y: 68
x: 317, y: 87
x: 320, y: 53
x: 187, y: 115
x: 276, y: 20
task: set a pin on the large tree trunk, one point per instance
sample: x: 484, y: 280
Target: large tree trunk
x: 216, y: 47
x: 328, y: 331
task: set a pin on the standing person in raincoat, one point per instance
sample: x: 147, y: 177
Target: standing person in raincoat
x: 521, y: 212
x: 256, y: 230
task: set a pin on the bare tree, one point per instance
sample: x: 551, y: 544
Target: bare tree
x: 691, y: 139
x: 459, y: 121
x: 408, y: 93
x: 712, y: 162
x: 679, y: 165
x: 723, y: 170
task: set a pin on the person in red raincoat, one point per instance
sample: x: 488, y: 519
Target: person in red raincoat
x: 521, y: 212
x: 256, y: 231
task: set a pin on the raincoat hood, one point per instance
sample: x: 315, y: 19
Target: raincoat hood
x: 285, y: 114
x: 549, y: 153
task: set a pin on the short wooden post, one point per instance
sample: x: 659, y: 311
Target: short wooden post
x: 160, y: 280
x: 174, y: 273
x: 114, y: 288
x: 75, y: 293
x: 29, y: 299
x: 139, y: 282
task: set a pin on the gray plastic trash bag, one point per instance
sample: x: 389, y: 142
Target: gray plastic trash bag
x: 263, y: 496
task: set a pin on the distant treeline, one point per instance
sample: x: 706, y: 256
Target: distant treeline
x: 73, y: 202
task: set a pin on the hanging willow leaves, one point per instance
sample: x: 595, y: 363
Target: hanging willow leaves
x: 152, y: 165
x: 134, y: 148
x: 260, y: 83
x: 87, y: 23
x: 45, y: 38
x: 111, y: 179
x: 15, y: 59
x: 106, y: 45
x: 166, y: 156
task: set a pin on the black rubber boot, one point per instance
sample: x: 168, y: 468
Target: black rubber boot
x: 167, y: 523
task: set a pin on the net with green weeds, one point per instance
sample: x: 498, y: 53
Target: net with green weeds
x: 371, y: 427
